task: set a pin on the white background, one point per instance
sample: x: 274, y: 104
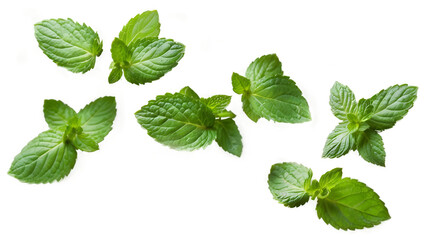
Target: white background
x: 136, y: 188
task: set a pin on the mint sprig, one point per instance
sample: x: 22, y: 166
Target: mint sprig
x: 184, y: 121
x: 52, y: 154
x: 267, y: 93
x: 344, y: 203
x: 363, y: 120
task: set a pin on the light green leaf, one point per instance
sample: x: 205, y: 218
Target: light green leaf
x: 187, y: 91
x: 342, y: 100
x: 371, y: 148
x: 85, y: 143
x: 278, y: 99
x: 287, y: 183
x: 391, y: 105
x: 115, y: 75
x: 217, y: 103
x: 45, y: 159
x: 57, y: 113
x: 352, y: 205
x: 178, y: 121
x: 228, y: 136
x: 264, y: 67
x: 248, y: 108
x: 339, y: 142
x: 364, y: 110
x: 120, y: 52
x: 68, y: 43
x: 240, y: 84
x: 141, y: 26
x: 97, y: 117
x: 151, y: 58
x: 225, y: 114
x: 331, y: 178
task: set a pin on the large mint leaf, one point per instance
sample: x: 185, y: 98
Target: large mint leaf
x: 391, y: 105
x: 57, y: 113
x: 97, y: 117
x: 264, y: 67
x: 371, y: 148
x: 151, y: 58
x: 45, y: 159
x: 178, y: 121
x: 278, y: 99
x: 141, y: 26
x: 352, y: 205
x: 339, y: 142
x: 228, y: 136
x: 287, y: 183
x: 68, y: 43
x: 342, y: 100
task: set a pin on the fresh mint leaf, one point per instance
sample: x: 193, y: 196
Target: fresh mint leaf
x: 141, y: 26
x: 342, y: 101
x: 120, y: 53
x: 57, y: 113
x: 264, y: 67
x: 115, y: 74
x: 339, y: 142
x: 248, y: 108
x: 225, y: 114
x: 85, y: 143
x: 352, y: 205
x: 287, y: 183
x: 228, y: 136
x: 45, y: 159
x: 331, y: 178
x: 364, y: 110
x: 371, y: 148
x: 240, y: 84
x: 68, y: 43
x: 217, y: 103
x: 187, y: 91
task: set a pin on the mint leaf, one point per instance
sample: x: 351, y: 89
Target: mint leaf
x: 240, y: 84
x: 97, y: 117
x: 371, y: 148
x: 264, y: 67
x: 57, y: 113
x: 187, y: 91
x: 339, y: 142
x: 287, y: 183
x: 342, y: 101
x: 364, y: 110
x: 178, y: 121
x: 68, y: 43
x: 225, y: 114
x: 331, y: 178
x: 120, y: 52
x: 391, y: 105
x: 352, y: 205
x: 85, y: 143
x: 248, y: 108
x: 141, y: 26
x: 45, y: 159
x: 217, y: 103
x: 115, y: 74
x: 151, y: 58
x: 228, y: 136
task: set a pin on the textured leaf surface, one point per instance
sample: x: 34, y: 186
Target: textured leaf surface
x: 371, y: 148
x: 115, y: 75
x: 187, y: 91
x: 57, y: 113
x: 264, y: 67
x: 151, y: 58
x: 286, y: 183
x: 228, y: 136
x: 141, y: 26
x: 339, y: 142
x: 240, y: 84
x: 331, y: 178
x: 119, y: 51
x: 68, y: 43
x: 391, y: 105
x: 178, y: 121
x: 45, y: 159
x: 97, y: 117
x: 342, y: 100
x: 352, y: 205
x: 217, y: 103
x: 85, y: 143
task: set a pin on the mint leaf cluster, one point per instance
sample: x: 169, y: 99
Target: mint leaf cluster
x: 184, y: 121
x: 344, y: 203
x: 363, y: 120
x: 140, y: 54
x: 52, y: 154
x: 267, y: 93
x: 69, y: 44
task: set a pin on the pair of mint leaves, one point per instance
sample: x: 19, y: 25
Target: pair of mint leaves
x: 52, y: 154
x: 363, y: 120
x: 138, y: 52
x: 344, y: 203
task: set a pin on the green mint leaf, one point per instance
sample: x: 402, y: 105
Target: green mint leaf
x: 115, y: 75
x: 342, y: 101
x: 364, y: 110
x: 264, y: 67
x: 217, y: 103
x: 391, y: 105
x: 278, y: 99
x: 120, y: 52
x: 287, y: 183
x: 187, y: 91
x: 85, y: 143
x: 69, y: 44
x: 45, y: 159
x: 225, y: 114
x: 371, y: 148
x: 352, y: 205
x: 240, y: 84
x: 331, y: 178
x: 97, y: 117
x: 178, y: 121
x: 151, y: 58
x: 248, y: 108
x: 228, y: 136
x: 57, y: 113
x: 141, y: 26
x: 339, y: 142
